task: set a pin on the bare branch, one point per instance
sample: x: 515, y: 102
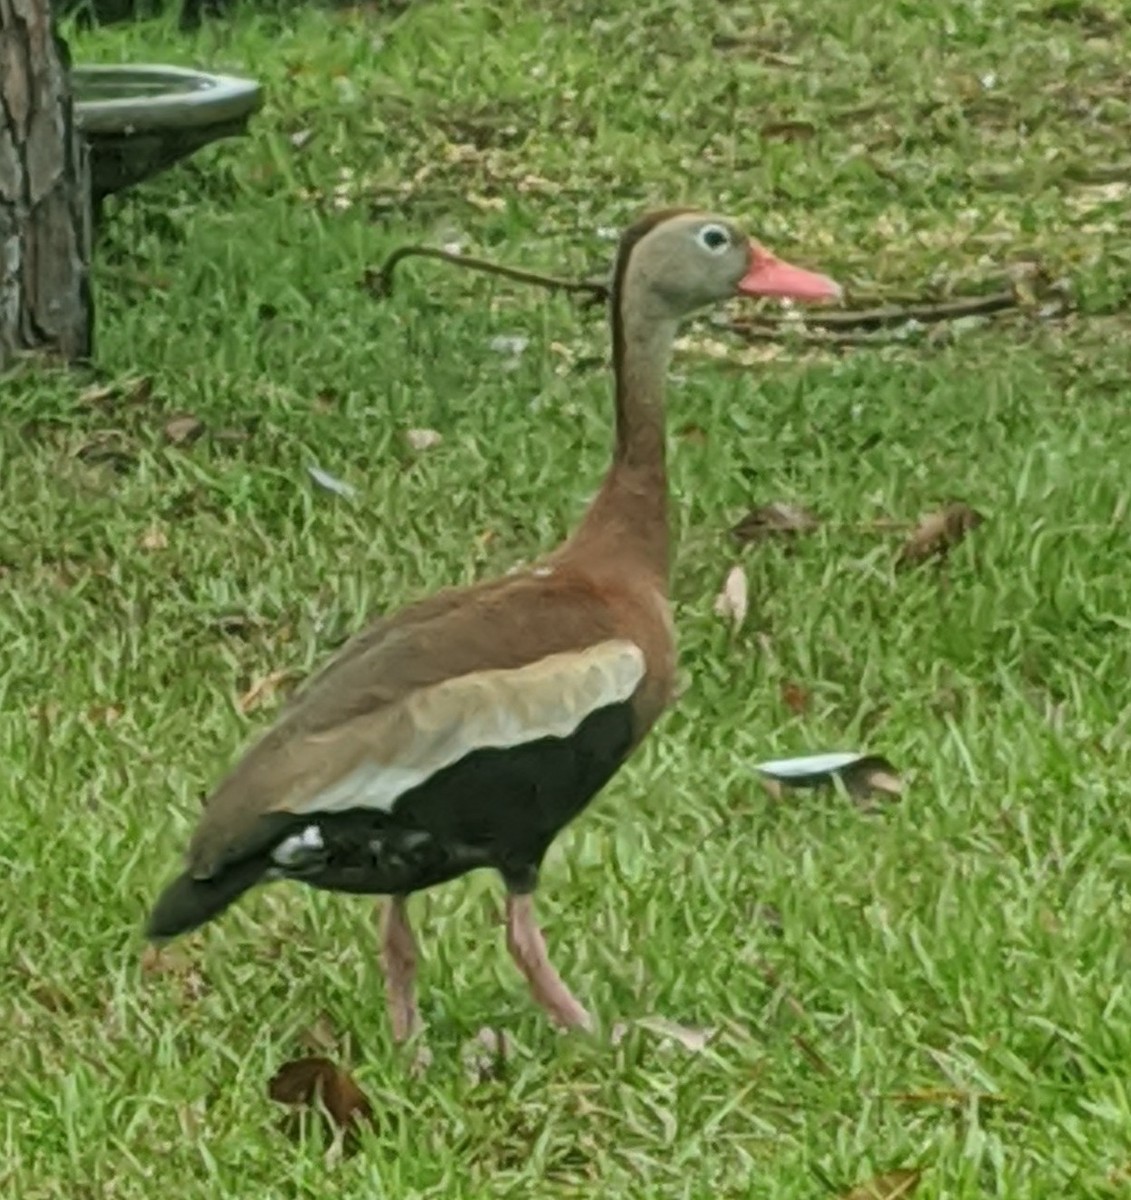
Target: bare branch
x: 380, y: 281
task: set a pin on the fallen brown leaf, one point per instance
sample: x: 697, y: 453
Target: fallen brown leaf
x: 165, y: 960
x: 262, y: 690
x: 690, y: 1038
x: 184, y: 429
x: 317, y: 1083
x: 873, y: 774
x: 173, y: 962
x: 191, y: 1119
x: 893, y: 1185
x: 103, y: 714
x: 98, y: 394
x: 938, y: 532
x: 108, y: 447
x: 733, y: 601
x: 237, y: 624
x: 136, y: 390
x: 51, y: 998
x: 789, y: 131
x: 1119, y: 1176
x: 692, y: 433
x: 766, y: 54
x: 774, y: 789
x: 795, y: 697
x: 779, y: 517
x: 154, y: 538
x: 485, y: 1055
x: 321, y: 1035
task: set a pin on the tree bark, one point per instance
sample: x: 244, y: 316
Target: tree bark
x: 45, y: 296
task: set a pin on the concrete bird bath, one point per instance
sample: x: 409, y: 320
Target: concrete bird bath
x: 140, y: 120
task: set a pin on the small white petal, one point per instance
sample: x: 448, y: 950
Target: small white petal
x: 809, y: 764
x: 509, y: 343
x: 331, y: 482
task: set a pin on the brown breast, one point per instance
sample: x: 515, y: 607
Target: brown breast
x: 643, y: 614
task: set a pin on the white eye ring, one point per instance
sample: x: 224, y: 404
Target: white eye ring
x: 714, y: 239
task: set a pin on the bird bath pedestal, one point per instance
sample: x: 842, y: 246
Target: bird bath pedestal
x: 140, y: 120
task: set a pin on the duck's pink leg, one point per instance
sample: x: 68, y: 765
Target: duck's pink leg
x: 527, y: 947
x: 398, y: 958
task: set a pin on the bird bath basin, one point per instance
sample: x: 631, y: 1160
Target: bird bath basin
x: 140, y: 120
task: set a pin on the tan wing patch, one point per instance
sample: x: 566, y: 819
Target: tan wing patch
x: 408, y: 743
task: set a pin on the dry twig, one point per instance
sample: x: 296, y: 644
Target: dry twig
x: 823, y: 328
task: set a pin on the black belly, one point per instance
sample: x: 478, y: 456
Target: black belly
x: 493, y: 808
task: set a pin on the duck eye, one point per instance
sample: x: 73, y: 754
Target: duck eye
x: 714, y: 238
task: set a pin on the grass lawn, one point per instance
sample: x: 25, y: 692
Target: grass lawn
x: 939, y: 983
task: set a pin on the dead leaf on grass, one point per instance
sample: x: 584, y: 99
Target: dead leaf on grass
x: 780, y: 517
x: 939, y: 532
x: 485, y: 1055
x: 138, y: 391
x: 321, y: 1036
x: 165, y: 960
x: 892, y: 1185
x: 191, y: 1118
x: 262, y: 690
x: 51, y: 998
x: 1119, y: 1177
x: 734, y: 600
x: 174, y: 962
x: 238, y: 624
x: 687, y: 1036
x: 692, y: 433
x: 135, y: 390
x: 154, y: 538
x: 789, y: 131
x: 103, y: 714
x: 690, y: 1038
x: 795, y: 697
x: 319, y: 1084
x: 330, y: 1093
x: 754, y: 45
x: 183, y: 429
x: 108, y: 447
x: 98, y: 394
x: 423, y: 439
x: 874, y: 774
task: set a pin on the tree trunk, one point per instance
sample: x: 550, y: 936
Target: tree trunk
x: 45, y: 300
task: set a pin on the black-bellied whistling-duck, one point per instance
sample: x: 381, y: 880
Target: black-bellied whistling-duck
x: 469, y: 728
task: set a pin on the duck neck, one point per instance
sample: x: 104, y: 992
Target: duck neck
x: 627, y: 523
